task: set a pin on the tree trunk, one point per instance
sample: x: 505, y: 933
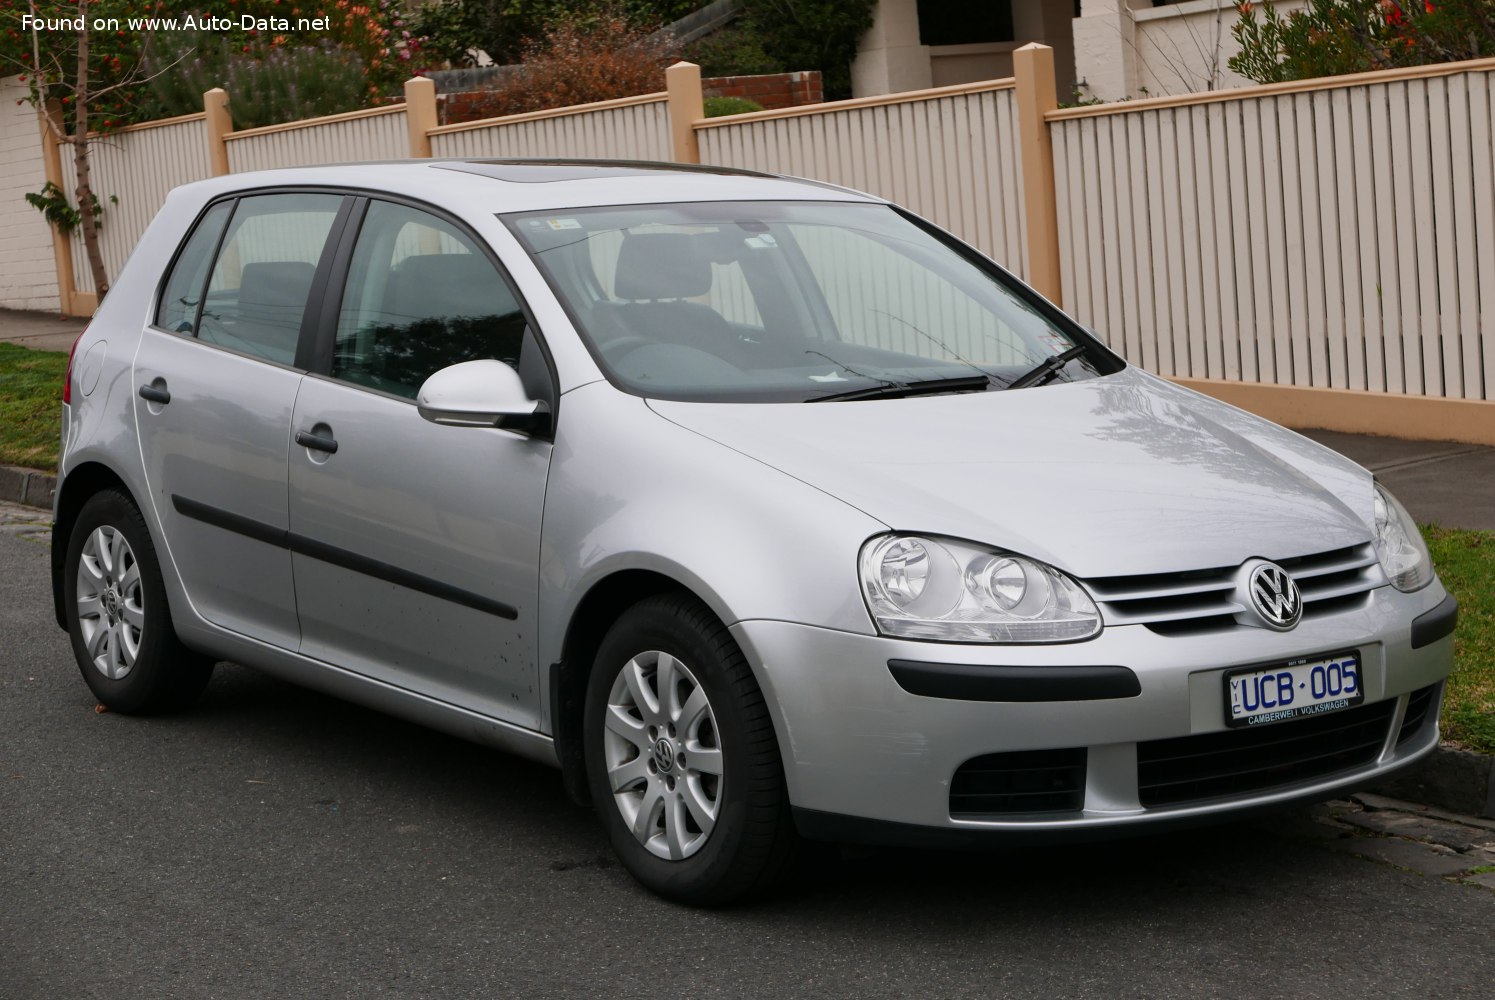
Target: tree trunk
x: 84, y: 192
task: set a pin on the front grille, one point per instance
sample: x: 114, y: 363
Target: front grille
x: 1028, y: 781
x: 1237, y: 761
x: 1418, y: 704
x: 1204, y: 599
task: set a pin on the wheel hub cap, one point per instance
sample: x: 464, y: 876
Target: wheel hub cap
x: 664, y: 755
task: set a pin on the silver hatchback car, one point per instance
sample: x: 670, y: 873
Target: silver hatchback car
x: 763, y: 509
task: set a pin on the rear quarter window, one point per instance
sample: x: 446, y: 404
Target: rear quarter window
x: 182, y: 292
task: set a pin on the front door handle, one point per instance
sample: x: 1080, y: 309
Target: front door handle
x: 317, y: 442
x: 156, y: 393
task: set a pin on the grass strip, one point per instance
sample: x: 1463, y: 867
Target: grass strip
x: 1466, y: 565
x: 30, y: 406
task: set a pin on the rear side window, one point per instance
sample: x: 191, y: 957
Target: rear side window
x: 183, y: 290
x: 421, y: 295
x: 261, y: 281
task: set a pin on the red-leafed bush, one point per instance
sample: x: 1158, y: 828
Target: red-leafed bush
x: 580, y: 59
x: 1331, y: 37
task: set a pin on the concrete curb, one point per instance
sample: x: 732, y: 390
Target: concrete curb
x: 27, y: 486
x: 1460, y: 781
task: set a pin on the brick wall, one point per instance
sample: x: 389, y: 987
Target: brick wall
x: 772, y: 90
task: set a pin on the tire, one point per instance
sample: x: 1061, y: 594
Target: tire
x: 117, y: 616
x: 701, y: 814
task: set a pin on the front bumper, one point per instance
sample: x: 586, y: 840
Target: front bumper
x: 858, y: 746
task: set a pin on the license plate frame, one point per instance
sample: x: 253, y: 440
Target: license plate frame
x: 1301, y: 670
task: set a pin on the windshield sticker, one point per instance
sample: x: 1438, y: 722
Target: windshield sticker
x: 832, y: 377
x: 564, y: 223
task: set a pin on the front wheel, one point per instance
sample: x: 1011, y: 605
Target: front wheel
x: 117, y: 616
x: 681, y: 757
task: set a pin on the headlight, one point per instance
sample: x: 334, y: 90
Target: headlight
x: 951, y: 591
x: 1399, y: 545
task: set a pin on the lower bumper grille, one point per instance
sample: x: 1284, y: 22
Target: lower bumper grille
x: 1237, y: 761
x: 1418, y: 706
x: 1028, y: 781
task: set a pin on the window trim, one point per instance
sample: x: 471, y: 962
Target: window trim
x: 318, y: 334
x: 315, y: 294
x: 324, y: 342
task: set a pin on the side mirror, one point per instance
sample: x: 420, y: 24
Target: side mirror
x: 481, y: 394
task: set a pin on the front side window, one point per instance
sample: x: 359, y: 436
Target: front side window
x: 421, y: 295
x: 796, y: 301
x: 262, y: 279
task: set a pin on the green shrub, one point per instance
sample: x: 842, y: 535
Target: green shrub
x: 717, y: 107
x: 1332, y: 37
x: 266, y: 84
x: 508, y: 29
x: 812, y: 34
x: 733, y: 51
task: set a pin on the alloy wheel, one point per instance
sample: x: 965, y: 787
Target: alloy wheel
x: 111, y: 602
x: 663, y: 755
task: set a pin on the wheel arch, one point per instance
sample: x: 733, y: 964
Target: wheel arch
x: 604, y: 602
x: 83, y: 482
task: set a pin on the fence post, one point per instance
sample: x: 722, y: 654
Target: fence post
x: 420, y: 114
x: 683, y: 81
x: 219, y: 124
x: 62, y: 246
x: 1033, y: 65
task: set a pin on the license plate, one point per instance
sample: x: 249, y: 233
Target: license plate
x: 1258, y: 696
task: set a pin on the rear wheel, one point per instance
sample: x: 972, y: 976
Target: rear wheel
x: 117, y: 616
x: 681, y: 757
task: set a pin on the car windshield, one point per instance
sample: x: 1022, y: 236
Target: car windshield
x: 791, y: 301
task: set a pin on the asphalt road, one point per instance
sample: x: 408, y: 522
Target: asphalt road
x: 276, y: 843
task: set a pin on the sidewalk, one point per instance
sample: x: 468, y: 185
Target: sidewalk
x: 1439, y: 482
x: 42, y: 331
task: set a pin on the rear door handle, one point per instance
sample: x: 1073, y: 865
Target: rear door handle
x: 156, y: 393
x: 317, y: 442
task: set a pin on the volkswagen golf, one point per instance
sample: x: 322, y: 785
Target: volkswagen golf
x: 764, y: 510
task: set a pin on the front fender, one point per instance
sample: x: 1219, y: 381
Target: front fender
x: 630, y: 490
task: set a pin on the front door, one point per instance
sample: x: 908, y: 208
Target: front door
x: 416, y: 546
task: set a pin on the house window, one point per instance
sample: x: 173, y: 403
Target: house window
x: 959, y: 22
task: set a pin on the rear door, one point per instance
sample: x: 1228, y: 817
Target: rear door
x: 216, y: 380
x: 415, y: 545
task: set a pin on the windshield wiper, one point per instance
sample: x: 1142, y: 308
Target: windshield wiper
x: 919, y: 387
x: 1047, y: 368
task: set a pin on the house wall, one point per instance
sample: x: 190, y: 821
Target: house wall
x: 891, y: 60
x: 28, y: 270
x: 1129, y: 48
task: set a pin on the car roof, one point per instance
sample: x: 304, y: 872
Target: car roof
x: 517, y: 185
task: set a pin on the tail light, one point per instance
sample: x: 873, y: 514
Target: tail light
x: 67, y: 380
